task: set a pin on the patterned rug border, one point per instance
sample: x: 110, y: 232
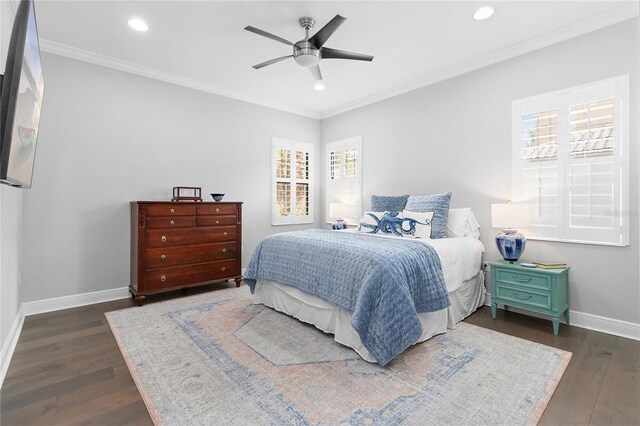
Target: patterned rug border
x: 193, y: 300
x: 146, y: 398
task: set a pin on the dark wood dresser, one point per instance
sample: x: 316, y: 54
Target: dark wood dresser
x: 183, y: 244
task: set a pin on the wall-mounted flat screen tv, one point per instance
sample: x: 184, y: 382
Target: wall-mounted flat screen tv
x: 21, y: 100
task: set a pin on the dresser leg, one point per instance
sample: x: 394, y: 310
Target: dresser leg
x: 566, y: 316
x: 238, y: 281
x: 556, y: 325
x: 140, y: 299
x: 494, y: 309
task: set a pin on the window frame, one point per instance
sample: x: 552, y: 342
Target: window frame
x: 342, y: 145
x: 292, y: 146
x: 560, y: 100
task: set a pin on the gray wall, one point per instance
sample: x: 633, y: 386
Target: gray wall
x: 455, y: 136
x: 10, y: 213
x: 107, y: 138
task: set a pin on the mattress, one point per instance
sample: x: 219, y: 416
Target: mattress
x: 461, y: 260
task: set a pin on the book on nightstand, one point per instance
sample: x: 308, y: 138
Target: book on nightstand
x: 547, y: 265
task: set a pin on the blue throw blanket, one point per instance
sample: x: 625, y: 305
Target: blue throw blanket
x: 383, y: 282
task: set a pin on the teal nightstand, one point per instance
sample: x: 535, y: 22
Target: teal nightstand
x: 545, y: 291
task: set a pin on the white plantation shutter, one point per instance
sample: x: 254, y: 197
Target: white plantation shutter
x: 537, y: 165
x: 343, y: 161
x: 291, y: 185
x: 571, y: 162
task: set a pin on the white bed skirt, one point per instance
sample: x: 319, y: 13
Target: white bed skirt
x: 337, y: 321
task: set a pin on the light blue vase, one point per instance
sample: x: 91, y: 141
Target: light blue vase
x: 511, y: 244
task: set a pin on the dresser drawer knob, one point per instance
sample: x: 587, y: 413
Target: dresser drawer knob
x: 163, y: 278
x: 172, y: 222
x: 224, y: 250
x: 217, y: 222
x: 515, y: 293
x: 163, y: 257
x: 522, y: 280
x: 163, y: 239
x: 172, y: 211
x: 225, y: 234
x: 224, y: 269
x: 217, y: 210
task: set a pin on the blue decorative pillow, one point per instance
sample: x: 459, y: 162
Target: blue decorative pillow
x: 438, y: 204
x: 386, y: 203
x: 373, y: 222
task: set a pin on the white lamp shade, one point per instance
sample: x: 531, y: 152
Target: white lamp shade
x: 510, y: 216
x: 339, y: 210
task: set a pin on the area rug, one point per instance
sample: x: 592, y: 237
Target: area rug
x: 216, y: 358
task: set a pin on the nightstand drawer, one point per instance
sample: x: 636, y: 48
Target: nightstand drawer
x: 538, y: 299
x: 524, y: 279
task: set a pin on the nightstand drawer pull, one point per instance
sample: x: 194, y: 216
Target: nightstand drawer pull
x: 163, y: 257
x: 225, y: 234
x: 224, y: 250
x: 163, y: 278
x: 163, y: 239
x: 522, y: 280
x: 515, y: 293
x: 172, y: 210
x: 172, y: 222
x: 224, y: 269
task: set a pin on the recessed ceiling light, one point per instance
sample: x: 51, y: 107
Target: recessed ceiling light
x: 138, y: 24
x: 319, y: 86
x: 483, y: 13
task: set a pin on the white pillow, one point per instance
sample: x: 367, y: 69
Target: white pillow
x: 417, y: 224
x: 462, y: 223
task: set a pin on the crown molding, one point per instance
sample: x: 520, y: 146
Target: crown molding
x: 588, y: 25
x: 129, y: 67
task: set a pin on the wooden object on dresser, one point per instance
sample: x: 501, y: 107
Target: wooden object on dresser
x: 183, y: 244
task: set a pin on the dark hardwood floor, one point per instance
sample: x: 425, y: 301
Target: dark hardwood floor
x: 67, y: 369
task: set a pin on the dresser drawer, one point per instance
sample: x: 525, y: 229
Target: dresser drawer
x: 524, y: 279
x: 216, y: 209
x: 173, y: 256
x: 165, y: 278
x: 537, y: 299
x: 171, y: 209
x: 216, y: 220
x: 182, y: 237
x: 171, y: 222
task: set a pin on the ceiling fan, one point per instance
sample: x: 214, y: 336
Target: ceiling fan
x: 310, y: 51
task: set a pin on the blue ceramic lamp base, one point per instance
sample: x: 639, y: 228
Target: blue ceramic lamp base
x: 511, y: 244
x: 339, y: 224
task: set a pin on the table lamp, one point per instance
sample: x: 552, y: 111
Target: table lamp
x: 508, y: 217
x: 339, y: 211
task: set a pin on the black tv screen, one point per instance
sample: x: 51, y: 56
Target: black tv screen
x: 21, y: 100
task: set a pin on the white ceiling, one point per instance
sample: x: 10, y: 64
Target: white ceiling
x: 202, y: 44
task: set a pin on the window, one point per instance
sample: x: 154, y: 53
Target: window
x: 344, y: 177
x: 571, y: 162
x: 291, y: 182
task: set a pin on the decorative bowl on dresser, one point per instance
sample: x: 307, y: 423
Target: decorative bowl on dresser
x: 183, y: 244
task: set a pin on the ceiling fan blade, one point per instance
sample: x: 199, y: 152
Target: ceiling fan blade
x: 321, y: 37
x: 268, y: 35
x: 272, y: 61
x: 328, y: 53
x: 315, y: 72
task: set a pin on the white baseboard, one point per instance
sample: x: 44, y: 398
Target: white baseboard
x: 49, y: 305
x: 589, y: 321
x: 66, y: 302
x: 10, y: 344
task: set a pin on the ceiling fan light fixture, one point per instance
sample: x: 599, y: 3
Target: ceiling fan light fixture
x: 483, y: 13
x: 306, y: 54
x: 138, y: 24
x: 319, y: 86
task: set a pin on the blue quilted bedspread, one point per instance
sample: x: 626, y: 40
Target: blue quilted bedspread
x: 383, y: 282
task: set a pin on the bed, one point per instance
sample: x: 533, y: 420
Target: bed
x: 460, y: 259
